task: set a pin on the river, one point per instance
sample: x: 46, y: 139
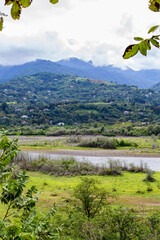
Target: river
x: 152, y: 163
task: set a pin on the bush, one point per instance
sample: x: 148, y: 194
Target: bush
x: 99, y: 142
x: 149, y: 177
x: 91, y: 196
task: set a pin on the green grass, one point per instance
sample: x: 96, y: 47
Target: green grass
x: 143, y: 142
x: 127, y: 185
x: 124, y: 188
x: 29, y: 147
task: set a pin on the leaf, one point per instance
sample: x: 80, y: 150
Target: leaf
x: 26, y: 236
x: 25, y: 3
x: 154, y: 42
x: 154, y: 28
x: 143, y: 48
x: 138, y: 39
x: 1, y: 23
x: 130, y: 51
x: 153, y: 8
x: 54, y: 1
x: 147, y: 44
x: 8, y: 2
x: 157, y: 4
x: 156, y: 37
x: 15, y: 11
x: 154, y: 5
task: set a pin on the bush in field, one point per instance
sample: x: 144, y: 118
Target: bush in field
x: 99, y: 142
x: 149, y: 177
x: 105, y: 143
x: 125, y: 224
x: 122, y: 166
x: 124, y: 143
x: 92, y: 218
x: 91, y: 197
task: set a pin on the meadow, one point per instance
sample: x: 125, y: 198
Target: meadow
x: 128, y: 190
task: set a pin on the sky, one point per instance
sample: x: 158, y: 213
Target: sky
x: 97, y: 30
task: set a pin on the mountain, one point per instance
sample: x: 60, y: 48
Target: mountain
x: 9, y: 72
x: 142, y: 78
x: 77, y: 67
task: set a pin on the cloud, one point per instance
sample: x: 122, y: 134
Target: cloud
x: 126, y: 25
x: 87, y: 29
x: 73, y: 42
x: 17, y: 55
x: 50, y: 46
x: 45, y: 45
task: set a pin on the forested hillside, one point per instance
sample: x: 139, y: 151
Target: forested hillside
x: 156, y: 87
x: 47, y: 98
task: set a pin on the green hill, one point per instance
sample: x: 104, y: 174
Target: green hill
x: 47, y: 98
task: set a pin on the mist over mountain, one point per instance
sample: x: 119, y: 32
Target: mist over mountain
x: 77, y: 67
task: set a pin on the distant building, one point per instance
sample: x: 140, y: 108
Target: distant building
x: 60, y: 124
x: 125, y: 112
x: 24, y: 116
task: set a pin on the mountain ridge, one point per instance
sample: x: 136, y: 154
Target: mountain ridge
x: 78, y: 67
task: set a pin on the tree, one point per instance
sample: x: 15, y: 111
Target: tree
x: 92, y: 197
x: 16, y: 9
x: 145, y: 44
x: 20, y: 220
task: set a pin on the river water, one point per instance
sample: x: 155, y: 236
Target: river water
x: 152, y: 163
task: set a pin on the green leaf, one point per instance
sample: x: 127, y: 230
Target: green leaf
x: 25, y: 3
x: 8, y: 2
x: 130, y: 51
x: 138, y: 39
x: 1, y: 23
x: 154, y: 42
x: 156, y: 37
x: 26, y: 236
x: 154, y: 28
x: 54, y: 1
x: 15, y: 11
x: 147, y: 44
x: 143, y: 48
x: 154, y: 5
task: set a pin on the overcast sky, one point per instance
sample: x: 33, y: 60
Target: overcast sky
x: 97, y: 30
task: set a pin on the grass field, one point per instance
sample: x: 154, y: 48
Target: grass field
x: 128, y: 190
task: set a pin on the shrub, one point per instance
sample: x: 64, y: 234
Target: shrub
x: 20, y: 220
x: 91, y: 196
x: 99, y: 142
x: 149, y: 177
